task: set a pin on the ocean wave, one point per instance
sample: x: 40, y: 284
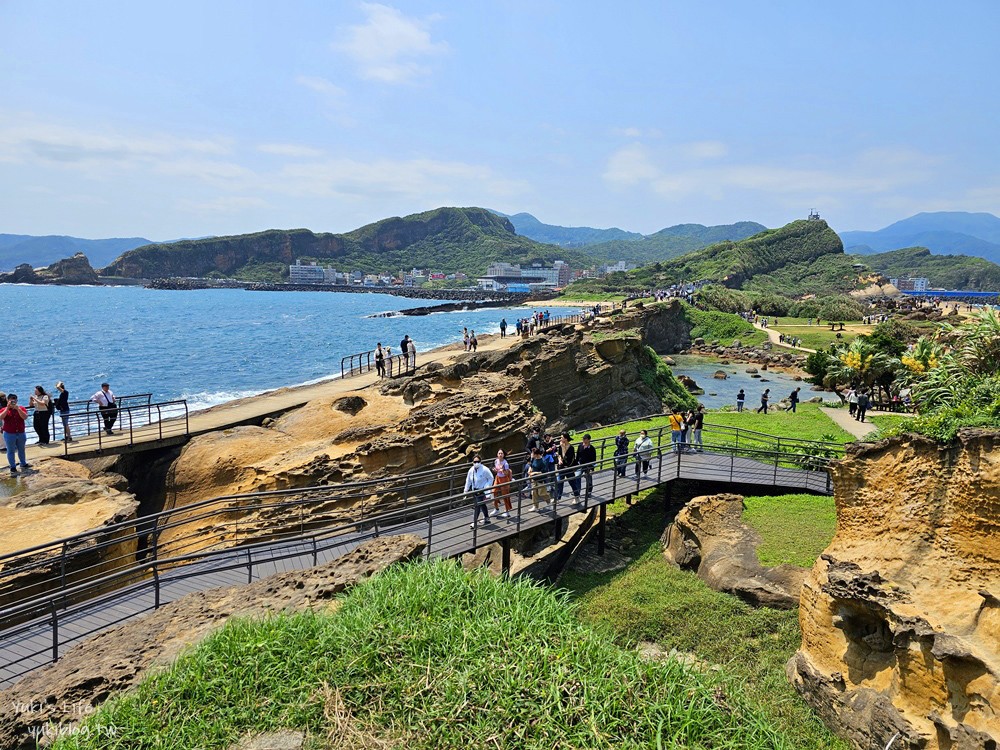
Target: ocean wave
x: 207, y: 399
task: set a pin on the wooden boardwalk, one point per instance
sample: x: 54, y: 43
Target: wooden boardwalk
x: 446, y: 529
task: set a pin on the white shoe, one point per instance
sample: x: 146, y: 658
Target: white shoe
x: 472, y: 525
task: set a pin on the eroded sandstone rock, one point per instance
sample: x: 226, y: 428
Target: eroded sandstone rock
x: 900, y: 617
x: 709, y: 537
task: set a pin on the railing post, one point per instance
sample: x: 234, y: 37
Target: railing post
x: 315, y: 552
x: 55, y: 630
x: 62, y: 569
x: 659, y: 468
x: 159, y: 420
x: 156, y: 586
x: 430, y: 530
x: 249, y: 566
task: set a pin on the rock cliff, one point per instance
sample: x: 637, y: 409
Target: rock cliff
x: 480, y: 402
x: 75, y: 270
x: 901, y: 617
x: 709, y: 537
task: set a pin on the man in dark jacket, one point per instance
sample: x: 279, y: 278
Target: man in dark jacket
x: 864, y: 401
x: 586, y: 458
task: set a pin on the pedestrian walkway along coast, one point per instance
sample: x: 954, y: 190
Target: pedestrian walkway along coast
x: 56, y: 595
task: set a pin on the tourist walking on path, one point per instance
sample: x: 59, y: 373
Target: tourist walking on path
x: 107, y: 405
x: 62, y: 406
x: 793, y: 398
x: 477, y: 481
x: 586, y: 457
x: 473, y: 341
x: 501, y: 484
x: 852, y: 400
x: 741, y: 398
x: 41, y: 402
x: 566, y: 463
x: 379, y: 360
x: 765, y: 397
x: 411, y: 353
x: 12, y: 417
x: 536, y: 472
x: 643, y: 452
x: 503, y: 327
x: 697, y: 425
x: 621, y: 452
x: 465, y: 338
x: 676, y: 430
x: 863, y: 402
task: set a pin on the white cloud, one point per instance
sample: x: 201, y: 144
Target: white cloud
x: 630, y: 165
x: 390, y: 47
x: 291, y: 150
x: 419, y: 179
x: 330, y: 91
x: 670, y: 174
x: 704, y: 150
x: 225, y: 204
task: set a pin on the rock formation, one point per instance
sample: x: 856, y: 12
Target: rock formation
x: 75, y: 270
x: 88, y: 674
x: 901, y: 617
x: 571, y: 376
x: 61, y: 500
x: 709, y: 537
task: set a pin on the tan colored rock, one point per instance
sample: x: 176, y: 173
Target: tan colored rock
x: 94, y: 670
x: 62, y: 500
x: 709, y: 537
x: 900, y: 617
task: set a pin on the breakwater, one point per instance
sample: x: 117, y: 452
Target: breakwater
x: 497, y: 298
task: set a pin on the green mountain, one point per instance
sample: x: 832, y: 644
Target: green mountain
x: 736, y: 263
x: 672, y: 242
x: 942, y: 271
x: 445, y: 239
x: 528, y: 226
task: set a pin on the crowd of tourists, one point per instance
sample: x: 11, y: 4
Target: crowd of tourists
x: 44, y: 406
x: 553, y: 464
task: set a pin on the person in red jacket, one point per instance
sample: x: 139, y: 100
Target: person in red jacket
x: 12, y: 417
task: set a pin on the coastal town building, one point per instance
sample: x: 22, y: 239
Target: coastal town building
x: 918, y: 284
x: 500, y: 276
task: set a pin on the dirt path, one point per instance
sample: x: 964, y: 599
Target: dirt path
x: 860, y: 430
x: 774, y: 337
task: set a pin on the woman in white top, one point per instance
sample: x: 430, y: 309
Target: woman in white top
x: 501, y: 484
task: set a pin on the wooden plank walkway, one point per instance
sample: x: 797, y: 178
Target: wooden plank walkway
x: 28, y: 646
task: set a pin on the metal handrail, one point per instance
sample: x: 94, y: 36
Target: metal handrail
x: 40, y: 616
x: 412, y: 479
x: 169, y: 418
x: 228, y: 539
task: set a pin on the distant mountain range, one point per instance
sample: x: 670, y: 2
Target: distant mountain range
x: 617, y: 244
x: 527, y: 225
x: 16, y: 249
x: 942, y: 232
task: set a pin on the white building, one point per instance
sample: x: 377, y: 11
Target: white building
x: 306, y: 273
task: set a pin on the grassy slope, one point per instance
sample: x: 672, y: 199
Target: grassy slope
x: 435, y: 658
x: 654, y: 601
x: 794, y: 528
x: 725, y: 328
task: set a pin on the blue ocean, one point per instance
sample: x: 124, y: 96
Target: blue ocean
x: 206, y: 346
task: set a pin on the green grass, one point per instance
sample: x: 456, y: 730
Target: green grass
x: 653, y: 601
x: 435, y: 657
x: 818, y: 338
x: 795, y: 529
x: 808, y: 423
x: 888, y: 421
x: 725, y: 328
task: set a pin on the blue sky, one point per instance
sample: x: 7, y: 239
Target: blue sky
x: 187, y: 119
